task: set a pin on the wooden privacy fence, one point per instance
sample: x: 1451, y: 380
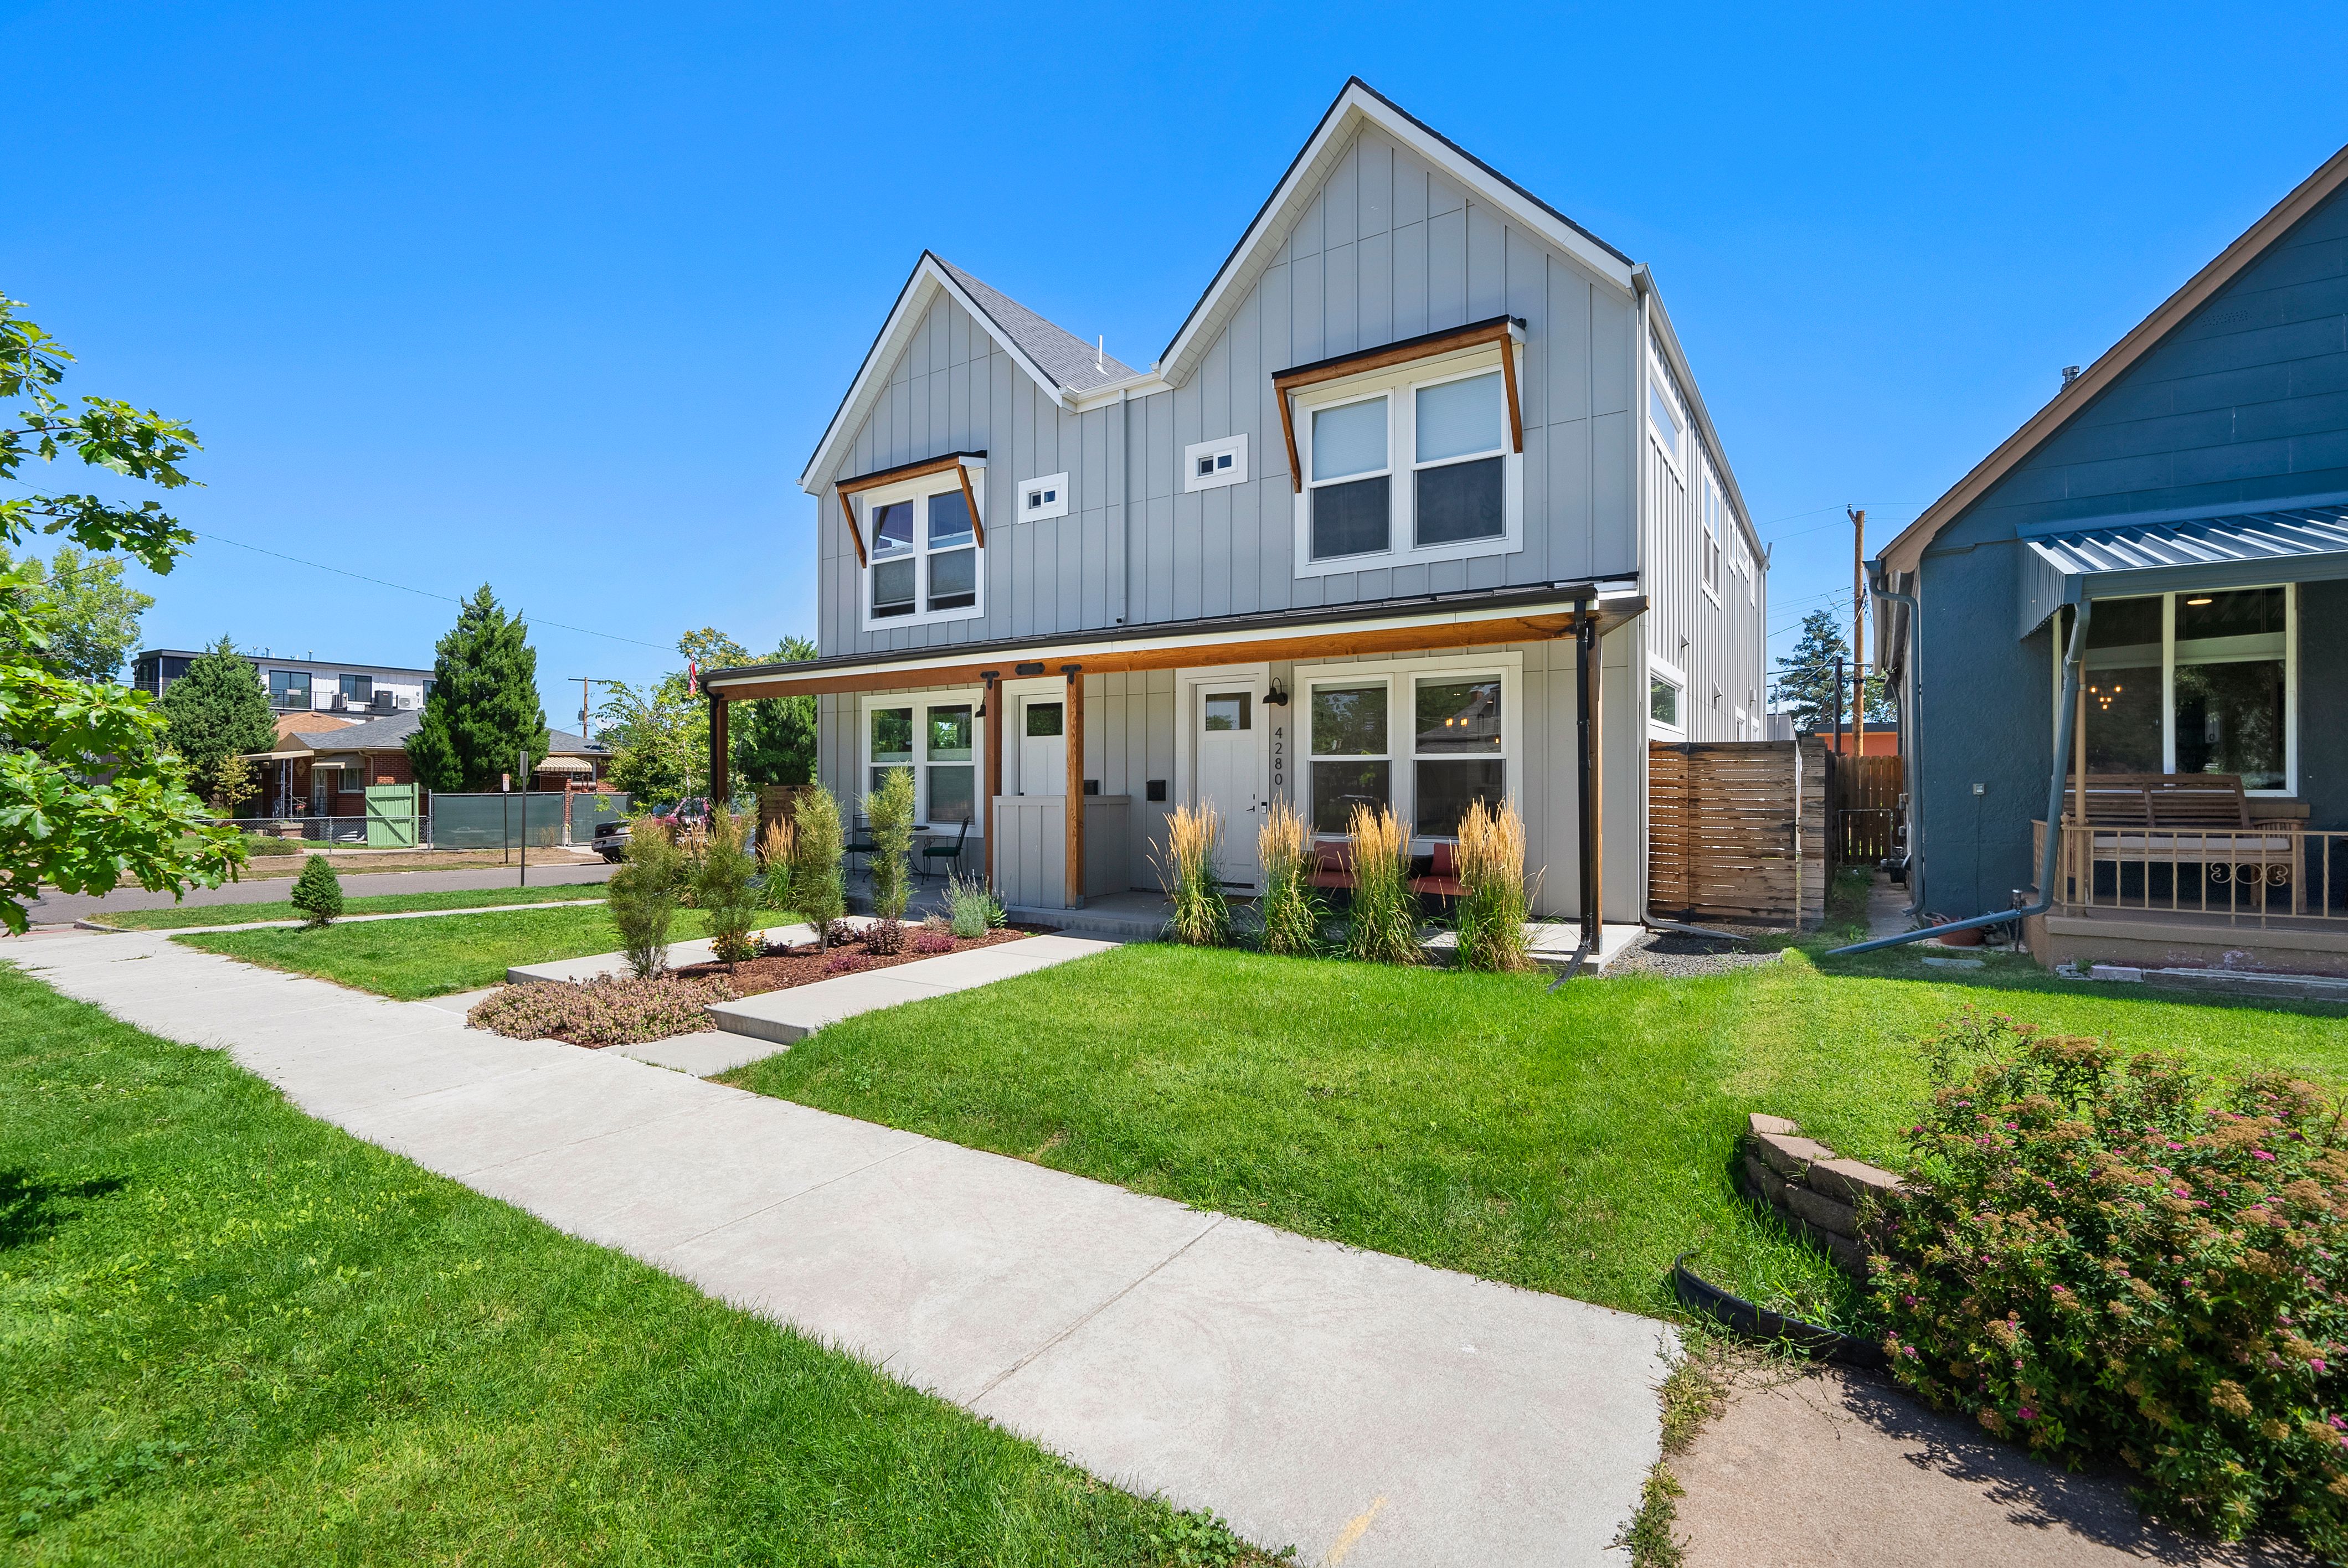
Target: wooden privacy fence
x: 1863, y: 804
x: 1731, y: 833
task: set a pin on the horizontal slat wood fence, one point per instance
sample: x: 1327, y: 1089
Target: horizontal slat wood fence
x: 1863, y: 802
x: 1728, y: 837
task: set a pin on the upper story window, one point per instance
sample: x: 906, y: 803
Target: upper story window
x: 1709, y: 549
x: 1407, y: 460
x: 923, y: 547
x: 358, y: 691
x: 1666, y: 421
x: 290, y: 689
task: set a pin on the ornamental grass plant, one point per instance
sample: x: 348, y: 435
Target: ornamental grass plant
x: 971, y: 907
x: 2119, y: 1258
x: 1490, y: 919
x: 776, y: 846
x: 1194, y: 884
x: 1290, y: 907
x: 1382, y: 920
x: 816, y: 886
x: 889, y: 811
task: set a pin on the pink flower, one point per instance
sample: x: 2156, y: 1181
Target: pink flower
x: 2261, y: 1154
x: 2317, y: 1364
x: 2025, y: 1413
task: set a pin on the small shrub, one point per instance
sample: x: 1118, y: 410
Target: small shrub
x: 937, y: 923
x: 845, y: 963
x: 1202, y: 915
x: 721, y: 886
x: 614, y: 1009
x: 838, y: 933
x: 973, y: 909
x: 640, y: 897
x: 318, y: 892
x: 885, y: 939
x: 889, y: 811
x: 1290, y: 907
x: 816, y: 886
x: 776, y: 846
x: 2108, y: 1259
x: 269, y: 844
x: 1382, y: 921
x: 1489, y: 921
x: 931, y: 943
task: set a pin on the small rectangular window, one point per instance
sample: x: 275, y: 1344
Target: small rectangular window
x: 892, y: 527
x: 1226, y: 711
x: 1666, y: 422
x: 1043, y: 720
x: 1208, y: 464
x: 1044, y: 497
x: 1663, y: 701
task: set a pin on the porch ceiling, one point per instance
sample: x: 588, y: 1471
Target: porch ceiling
x: 2301, y: 544
x: 1451, y: 622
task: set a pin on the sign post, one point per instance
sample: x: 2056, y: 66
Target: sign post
x: 524, y: 754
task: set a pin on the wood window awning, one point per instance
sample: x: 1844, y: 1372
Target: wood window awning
x: 959, y: 463
x: 1469, y: 621
x: 1506, y: 331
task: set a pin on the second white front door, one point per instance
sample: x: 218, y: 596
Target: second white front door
x: 1043, y: 746
x: 1231, y: 776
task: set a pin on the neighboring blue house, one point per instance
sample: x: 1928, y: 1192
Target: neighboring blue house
x: 2191, y: 491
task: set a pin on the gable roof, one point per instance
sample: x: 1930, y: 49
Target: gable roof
x: 1358, y: 104
x: 1055, y: 359
x: 390, y: 733
x: 1908, y: 549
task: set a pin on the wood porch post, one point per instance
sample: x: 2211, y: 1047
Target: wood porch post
x: 1072, y: 733
x: 1588, y: 690
x: 719, y: 750
x: 992, y: 783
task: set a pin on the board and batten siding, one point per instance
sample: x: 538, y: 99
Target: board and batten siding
x: 1388, y: 248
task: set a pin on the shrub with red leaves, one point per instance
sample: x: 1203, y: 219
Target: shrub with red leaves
x: 2103, y: 1258
x: 885, y: 939
x: 934, y: 942
x: 844, y: 963
x: 616, y: 1009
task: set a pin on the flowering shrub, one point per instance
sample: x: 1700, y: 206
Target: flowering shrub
x: 621, y: 1010
x: 2107, y: 1258
x: 934, y: 942
x: 844, y: 963
x: 884, y: 938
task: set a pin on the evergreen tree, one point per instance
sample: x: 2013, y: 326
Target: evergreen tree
x: 1806, y: 679
x: 217, y: 711
x: 774, y: 738
x: 318, y: 892
x: 484, y: 710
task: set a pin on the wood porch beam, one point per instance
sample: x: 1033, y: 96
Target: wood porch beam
x: 1072, y: 736
x: 1501, y: 329
x: 719, y: 750
x: 1589, y: 691
x: 992, y: 783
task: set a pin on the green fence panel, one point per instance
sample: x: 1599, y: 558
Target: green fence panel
x: 495, y: 821
x: 391, y: 816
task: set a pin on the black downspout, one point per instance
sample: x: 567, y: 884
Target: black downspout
x: 1911, y: 731
x: 2071, y: 662
x: 1585, y: 651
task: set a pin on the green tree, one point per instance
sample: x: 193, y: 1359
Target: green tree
x: 1806, y: 679
x: 89, y: 793
x: 889, y: 810
x: 483, y: 712
x: 774, y: 738
x: 219, y: 710
x: 92, y: 614
x: 318, y: 892
x: 660, y: 736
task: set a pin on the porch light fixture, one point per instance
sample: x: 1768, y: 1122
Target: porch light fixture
x: 1277, y: 697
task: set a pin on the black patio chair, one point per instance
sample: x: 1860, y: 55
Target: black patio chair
x: 860, y: 840
x: 934, y: 851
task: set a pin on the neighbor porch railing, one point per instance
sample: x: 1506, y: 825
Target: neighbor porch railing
x: 2266, y: 873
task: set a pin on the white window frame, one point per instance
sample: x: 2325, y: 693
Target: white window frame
x: 971, y: 697
x: 1671, y: 675
x: 2169, y: 679
x: 1227, y: 454
x: 918, y: 491
x: 1710, y: 504
x: 1399, y: 677
x: 1034, y: 505
x: 1397, y: 384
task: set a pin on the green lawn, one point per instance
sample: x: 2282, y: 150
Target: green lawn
x: 232, y: 1334
x: 410, y: 959
x: 180, y: 915
x: 1570, y: 1141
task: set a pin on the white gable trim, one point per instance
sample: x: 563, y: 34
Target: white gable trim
x: 1357, y: 106
x: 928, y: 280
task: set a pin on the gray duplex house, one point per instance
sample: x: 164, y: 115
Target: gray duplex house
x: 1420, y: 505
x: 2117, y: 644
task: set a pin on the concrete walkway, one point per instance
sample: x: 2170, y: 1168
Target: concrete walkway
x: 1349, y: 1403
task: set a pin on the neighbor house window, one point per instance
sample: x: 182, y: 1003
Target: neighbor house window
x: 936, y: 738
x: 1407, y: 464
x: 923, y: 549
x: 358, y: 691
x: 290, y: 689
x: 1352, y: 764
x: 2192, y: 683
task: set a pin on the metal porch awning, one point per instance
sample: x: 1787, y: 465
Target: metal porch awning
x: 2243, y: 549
x: 564, y: 765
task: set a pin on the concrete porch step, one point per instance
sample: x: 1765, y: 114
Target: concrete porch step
x: 2232, y: 982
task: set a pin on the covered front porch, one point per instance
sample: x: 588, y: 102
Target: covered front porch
x: 1004, y: 739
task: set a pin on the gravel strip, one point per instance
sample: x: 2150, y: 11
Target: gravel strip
x: 1680, y: 955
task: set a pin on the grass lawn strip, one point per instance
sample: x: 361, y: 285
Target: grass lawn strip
x: 182, y: 915
x: 1573, y: 1141
x: 233, y: 1334
x: 411, y: 959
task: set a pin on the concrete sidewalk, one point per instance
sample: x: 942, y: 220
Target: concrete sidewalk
x: 1311, y: 1394
x: 52, y: 907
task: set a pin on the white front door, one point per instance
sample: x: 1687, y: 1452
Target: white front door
x: 1043, y: 746
x: 1231, y: 776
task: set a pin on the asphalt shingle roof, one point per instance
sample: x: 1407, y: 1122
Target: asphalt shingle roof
x: 1076, y: 364
x: 390, y: 733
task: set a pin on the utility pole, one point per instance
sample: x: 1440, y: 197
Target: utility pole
x: 587, y: 701
x: 1858, y: 630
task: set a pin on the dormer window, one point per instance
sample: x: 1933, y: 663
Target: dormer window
x: 1414, y: 455
x: 921, y: 542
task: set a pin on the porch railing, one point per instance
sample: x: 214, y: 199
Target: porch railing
x: 2267, y: 874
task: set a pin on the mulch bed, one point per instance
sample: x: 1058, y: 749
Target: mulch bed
x: 780, y: 970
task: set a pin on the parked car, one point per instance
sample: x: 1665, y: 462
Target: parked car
x: 611, y: 839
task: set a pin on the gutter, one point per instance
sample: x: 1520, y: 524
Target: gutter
x: 2071, y: 660
x: 1878, y: 575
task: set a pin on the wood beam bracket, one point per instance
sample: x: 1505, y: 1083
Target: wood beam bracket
x: 961, y: 462
x: 1509, y: 331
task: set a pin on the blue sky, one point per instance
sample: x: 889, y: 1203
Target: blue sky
x: 559, y: 298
